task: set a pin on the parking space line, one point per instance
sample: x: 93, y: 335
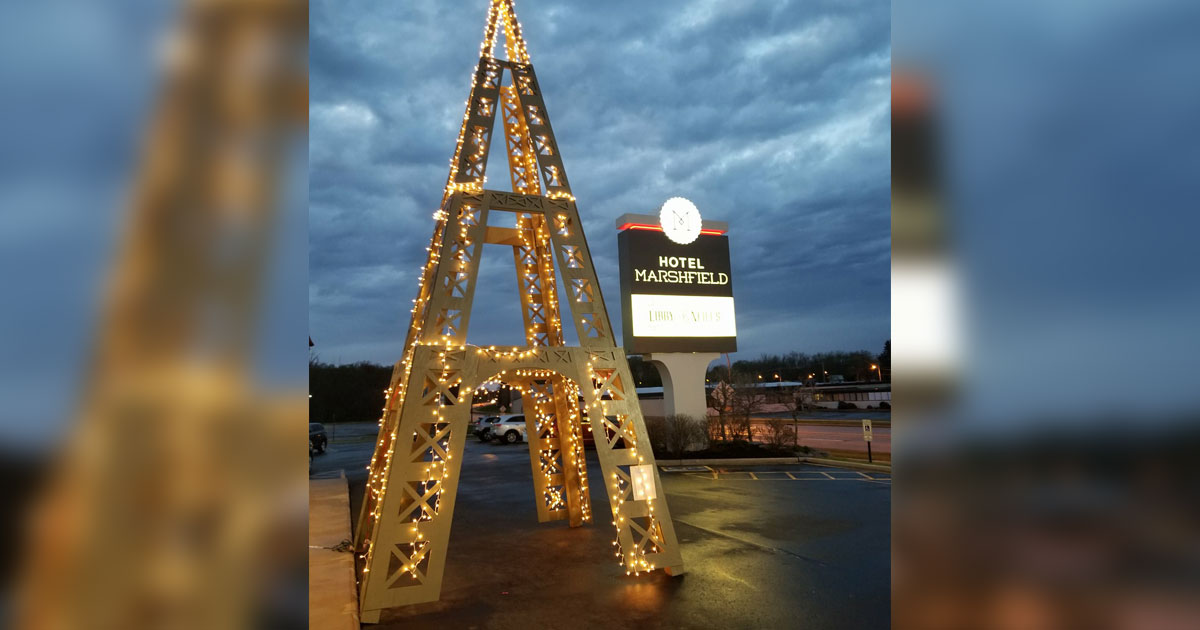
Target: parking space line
x: 845, y: 474
x: 783, y: 475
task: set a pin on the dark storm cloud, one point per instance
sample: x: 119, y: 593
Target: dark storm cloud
x: 772, y: 116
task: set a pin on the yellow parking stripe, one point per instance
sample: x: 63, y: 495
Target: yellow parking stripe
x: 733, y: 476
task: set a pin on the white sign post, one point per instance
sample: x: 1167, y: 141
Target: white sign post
x: 867, y: 438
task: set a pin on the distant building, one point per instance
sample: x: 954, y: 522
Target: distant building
x: 861, y: 394
x: 651, y: 399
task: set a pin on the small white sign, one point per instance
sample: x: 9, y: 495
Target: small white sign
x: 866, y: 430
x: 643, y: 482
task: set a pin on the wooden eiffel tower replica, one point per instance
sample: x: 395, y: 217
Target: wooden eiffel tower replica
x: 404, y: 527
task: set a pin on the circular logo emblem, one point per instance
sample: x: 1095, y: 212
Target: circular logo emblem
x: 680, y: 220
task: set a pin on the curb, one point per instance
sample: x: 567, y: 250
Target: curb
x: 743, y: 461
x: 358, y: 439
x: 758, y: 461
x: 882, y: 424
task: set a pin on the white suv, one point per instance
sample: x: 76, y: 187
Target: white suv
x: 510, y: 428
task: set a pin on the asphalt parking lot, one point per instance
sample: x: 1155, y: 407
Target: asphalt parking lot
x: 764, y: 547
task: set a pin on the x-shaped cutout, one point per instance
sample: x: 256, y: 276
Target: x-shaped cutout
x: 622, y: 430
x: 582, y: 289
x: 434, y: 387
x: 412, y: 563
x: 611, y: 384
x: 646, y: 535
x: 573, y: 256
x: 426, y: 443
x: 592, y: 327
x: 421, y: 501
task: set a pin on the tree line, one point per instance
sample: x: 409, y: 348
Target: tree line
x: 798, y: 366
x: 346, y: 393
x: 793, y: 366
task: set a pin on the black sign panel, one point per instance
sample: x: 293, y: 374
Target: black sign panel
x: 676, y: 298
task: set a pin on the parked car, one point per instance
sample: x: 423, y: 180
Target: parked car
x: 508, y: 428
x: 482, y: 427
x: 316, y: 438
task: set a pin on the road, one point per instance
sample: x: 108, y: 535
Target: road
x: 764, y: 547
x: 836, y: 438
x: 825, y: 415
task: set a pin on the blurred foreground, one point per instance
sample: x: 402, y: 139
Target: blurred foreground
x: 1044, y: 315
x: 176, y: 496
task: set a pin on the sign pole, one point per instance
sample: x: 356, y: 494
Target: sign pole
x: 866, y: 425
x: 683, y: 381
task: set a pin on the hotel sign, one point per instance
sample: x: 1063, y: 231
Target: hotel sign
x: 675, y: 297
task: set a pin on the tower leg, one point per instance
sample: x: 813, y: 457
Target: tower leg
x: 545, y: 461
x: 402, y: 560
x: 645, y: 533
x: 555, y: 449
x: 570, y: 442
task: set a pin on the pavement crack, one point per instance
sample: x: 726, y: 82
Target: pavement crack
x: 752, y: 543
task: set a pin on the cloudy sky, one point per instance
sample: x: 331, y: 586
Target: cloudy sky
x: 770, y: 115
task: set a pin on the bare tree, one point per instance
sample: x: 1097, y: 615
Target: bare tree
x: 719, y: 427
x: 685, y: 433
x: 677, y: 434
x: 656, y: 432
x: 746, y: 400
x: 797, y: 402
x: 778, y: 431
